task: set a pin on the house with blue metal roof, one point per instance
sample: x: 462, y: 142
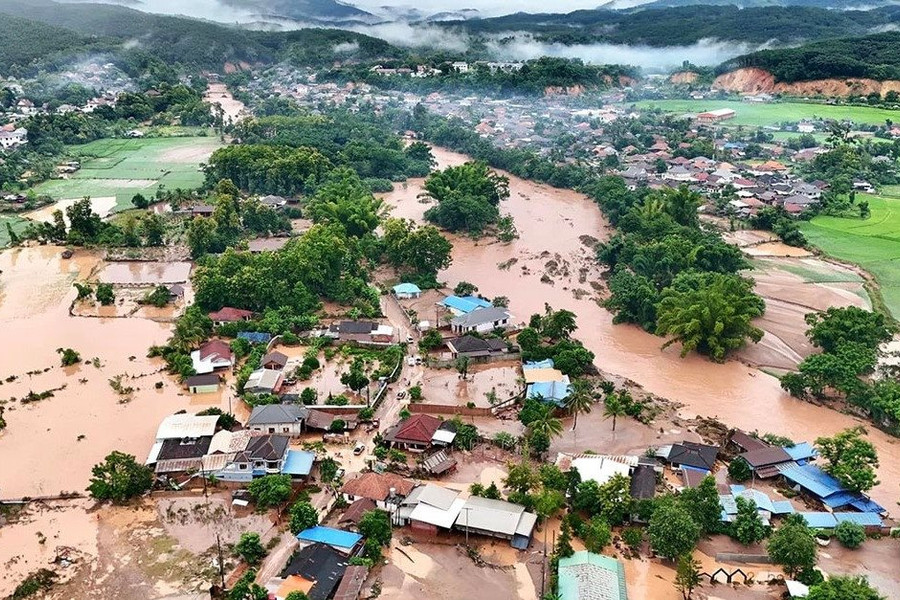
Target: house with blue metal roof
x: 766, y: 507
x: 255, y: 337
x: 828, y: 520
x: 802, y: 453
x: 815, y: 482
x: 545, y: 382
x: 463, y: 305
x: 340, y: 540
x: 298, y: 464
x: 407, y: 290
x: 589, y: 576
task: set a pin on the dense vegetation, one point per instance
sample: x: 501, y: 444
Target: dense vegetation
x: 849, y: 338
x: 535, y: 76
x: 671, y: 277
x: 686, y: 25
x: 873, y: 56
x: 124, y: 33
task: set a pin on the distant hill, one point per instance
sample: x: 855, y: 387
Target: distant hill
x: 302, y: 9
x: 660, y: 27
x: 27, y: 43
x: 829, y: 4
x: 39, y: 28
x: 870, y: 57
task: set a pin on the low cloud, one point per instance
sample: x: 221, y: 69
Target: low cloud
x: 346, y: 48
x: 417, y: 36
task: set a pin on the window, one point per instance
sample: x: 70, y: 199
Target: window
x: 271, y: 430
x: 285, y: 429
x: 242, y: 466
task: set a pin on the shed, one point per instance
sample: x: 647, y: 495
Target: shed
x: 352, y: 583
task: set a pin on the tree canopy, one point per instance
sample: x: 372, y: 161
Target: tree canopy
x: 852, y: 460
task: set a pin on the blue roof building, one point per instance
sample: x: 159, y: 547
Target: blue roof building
x: 407, y: 290
x: 765, y: 505
x: 827, y: 489
x: 341, y: 540
x: 802, y: 452
x: 589, y: 576
x: 551, y: 391
x: 827, y: 520
x: 463, y: 305
x: 255, y: 337
x: 298, y: 463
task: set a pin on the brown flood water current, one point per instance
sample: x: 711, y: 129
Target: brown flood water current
x: 551, y: 223
x: 50, y: 445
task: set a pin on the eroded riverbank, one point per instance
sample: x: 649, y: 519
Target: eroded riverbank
x: 553, y: 262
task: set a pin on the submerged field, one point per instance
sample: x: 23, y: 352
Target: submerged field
x: 121, y: 168
x: 763, y: 114
x: 17, y: 223
x: 873, y: 243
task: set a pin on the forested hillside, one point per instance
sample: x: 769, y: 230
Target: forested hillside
x: 26, y: 42
x: 35, y: 32
x: 687, y: 25
x: 874, y: 57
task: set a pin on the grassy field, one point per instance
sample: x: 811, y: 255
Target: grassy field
x: 124, y: 167
x: 17, y: 223
x: 873, y: 243
x: 762, y: 114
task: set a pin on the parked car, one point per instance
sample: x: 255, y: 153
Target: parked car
x: 359, y: 448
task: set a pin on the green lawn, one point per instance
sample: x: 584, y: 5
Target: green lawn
x: 761, y: 114
x: 873, y: 243
x: 18, y: 224
x: 124, y: 167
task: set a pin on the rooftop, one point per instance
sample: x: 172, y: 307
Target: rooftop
x: 465, y: 304
x: 481, y: 316
x: 298, y: 462
x: 589, y: 576
x: 377, y: 486
x: 337, y: 538
x: 418, y: 429
x: 276, y: 414
x: 186, y: 426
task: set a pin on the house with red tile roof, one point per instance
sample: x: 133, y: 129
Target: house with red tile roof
x: 414, y: 433
x: 230, y: 315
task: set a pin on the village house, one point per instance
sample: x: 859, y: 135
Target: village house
x: 463, y: 305
x: 589, y: 576
x: 274, y: 360
x: 469, y: 346
x: 545, y: 382
x: 264, y: 455
x: 177, y: 455
x: 690, y: 455
x: 13, y: 139
x: 230, y: 315
x: 203, y: 384
x: 345, y: 542
x: 362, y: 332
x: 497, y: 518
x: 286, y: 419
x: 404, y: 291
x: 714, y: 116
x: 386, y: 490
x: 418, y: 432
x: 314, y: 570
x: 182, y: 427
x: 482, y: 320
x: 273, y: 201
x: 214, y: 354
x: 264, y: 381
x: 430, y: 508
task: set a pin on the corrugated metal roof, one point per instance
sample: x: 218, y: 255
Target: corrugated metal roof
x: 497, y: 516
x: 813, y: 479
x: 465, y: 304
x: 801, y: 451
x: 328, y: 535
x: 298, y: 462
x: 589, y: 576
x: 865, y: 519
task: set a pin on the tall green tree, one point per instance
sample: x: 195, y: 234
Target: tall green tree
x: 119, y: 478
x: 702, y: 503
x: 303, y: 515
x: 747, y: 527
x: 687, y: 576
x: 793, y: 546
x: 852, y: 460
x: 672, y: 531
x: 710, y: 313
x: 580, y: 400
x: 844, y: 587
x: 250, y: 548
x: 836, y: 326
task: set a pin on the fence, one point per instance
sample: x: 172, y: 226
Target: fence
x: 446, y: 409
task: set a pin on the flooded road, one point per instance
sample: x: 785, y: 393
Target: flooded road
x: 50, y: 445
x: 553, y: 262
x: 218, y: 93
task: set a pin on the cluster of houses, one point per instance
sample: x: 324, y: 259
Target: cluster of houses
x: 754, y: 185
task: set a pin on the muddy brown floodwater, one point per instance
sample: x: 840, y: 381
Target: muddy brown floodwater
x: 50, y: 445
x: 553, y: 263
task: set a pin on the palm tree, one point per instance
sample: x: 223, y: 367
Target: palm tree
x: 580, y: 400
x: 547, y: 424
x: 613, y: 407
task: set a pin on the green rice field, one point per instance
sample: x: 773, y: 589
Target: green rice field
x: 125, y: 167
x: 761, y: 114
x: 873, y: 243
x: 17, y: 223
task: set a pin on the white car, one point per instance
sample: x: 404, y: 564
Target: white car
x: 410, y: 361
x: 359, y: 448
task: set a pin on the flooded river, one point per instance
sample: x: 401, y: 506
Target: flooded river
x: 552, y: 263
x: 50, y: 445
x: 218, y: 93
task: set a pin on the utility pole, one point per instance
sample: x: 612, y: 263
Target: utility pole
x: 221, y: 562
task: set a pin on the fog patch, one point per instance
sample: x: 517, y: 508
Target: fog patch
x: 704, y: 53
x: 417, y: 36
x: 346, y: 48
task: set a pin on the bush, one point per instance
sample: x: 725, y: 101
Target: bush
x: 633, y: 537
x: 250, y: 548
x: 308, y: 396
x: 68, y: 357
x: 119, y: 478
x: 303, y: 516
x: 415, y: 393
x: 105, y: 294
x: 739, y: 470
x: 270, y: 490
x: 850, y: 535
x: 337, y: 426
